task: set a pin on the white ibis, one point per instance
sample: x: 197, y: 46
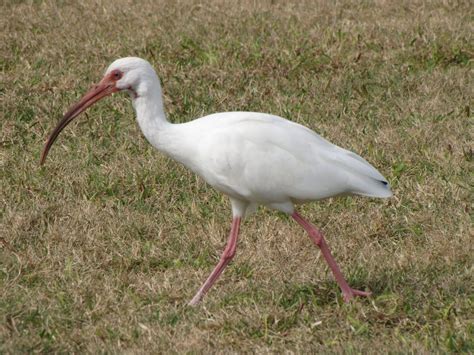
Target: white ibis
x: 254, y: 158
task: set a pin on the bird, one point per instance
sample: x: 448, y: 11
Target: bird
x: 256, y: 159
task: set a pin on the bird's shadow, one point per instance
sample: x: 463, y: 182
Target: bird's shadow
x: 327, y: 292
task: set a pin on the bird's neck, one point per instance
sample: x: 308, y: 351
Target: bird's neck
x: 168, y: 138
x: 151, y: 115
x: 149, y: 108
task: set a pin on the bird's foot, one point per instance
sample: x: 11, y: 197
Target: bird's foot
x: 348, y: 295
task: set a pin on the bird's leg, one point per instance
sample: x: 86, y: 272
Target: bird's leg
x: 225, y: 259
x: 318, y: 239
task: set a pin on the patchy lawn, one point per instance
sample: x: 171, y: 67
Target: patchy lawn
x: 103, y: 247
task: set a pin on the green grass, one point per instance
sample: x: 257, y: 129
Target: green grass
x: 103, y: 247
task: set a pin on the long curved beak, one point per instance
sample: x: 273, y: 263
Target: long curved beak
x: 99, y: 91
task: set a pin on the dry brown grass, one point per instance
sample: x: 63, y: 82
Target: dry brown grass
x: 101, y: 250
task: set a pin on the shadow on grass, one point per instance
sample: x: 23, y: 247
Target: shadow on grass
x: 411, y: 286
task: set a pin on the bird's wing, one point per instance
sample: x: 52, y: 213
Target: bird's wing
x: 265, y: 158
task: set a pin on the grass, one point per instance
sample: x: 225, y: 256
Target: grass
x: 102, y: 248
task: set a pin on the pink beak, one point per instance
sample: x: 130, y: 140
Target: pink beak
x: 104, y: 88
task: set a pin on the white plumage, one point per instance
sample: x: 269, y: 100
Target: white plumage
x: 254, y: 158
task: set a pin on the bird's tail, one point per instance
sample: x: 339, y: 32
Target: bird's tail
x: 373, y: 188
x: 364, y: 179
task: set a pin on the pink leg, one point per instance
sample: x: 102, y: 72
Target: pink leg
x: 225, y: 259
x: 318, y: 239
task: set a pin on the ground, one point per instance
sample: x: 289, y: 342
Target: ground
x: 102, y: 248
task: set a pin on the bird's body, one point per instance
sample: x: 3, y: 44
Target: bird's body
x: 264, y: 159
x: 254, y: 158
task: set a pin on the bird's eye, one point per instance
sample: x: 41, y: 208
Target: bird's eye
x: 117, y: 74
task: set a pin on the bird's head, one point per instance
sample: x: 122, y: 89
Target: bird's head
x: 131, y: 74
